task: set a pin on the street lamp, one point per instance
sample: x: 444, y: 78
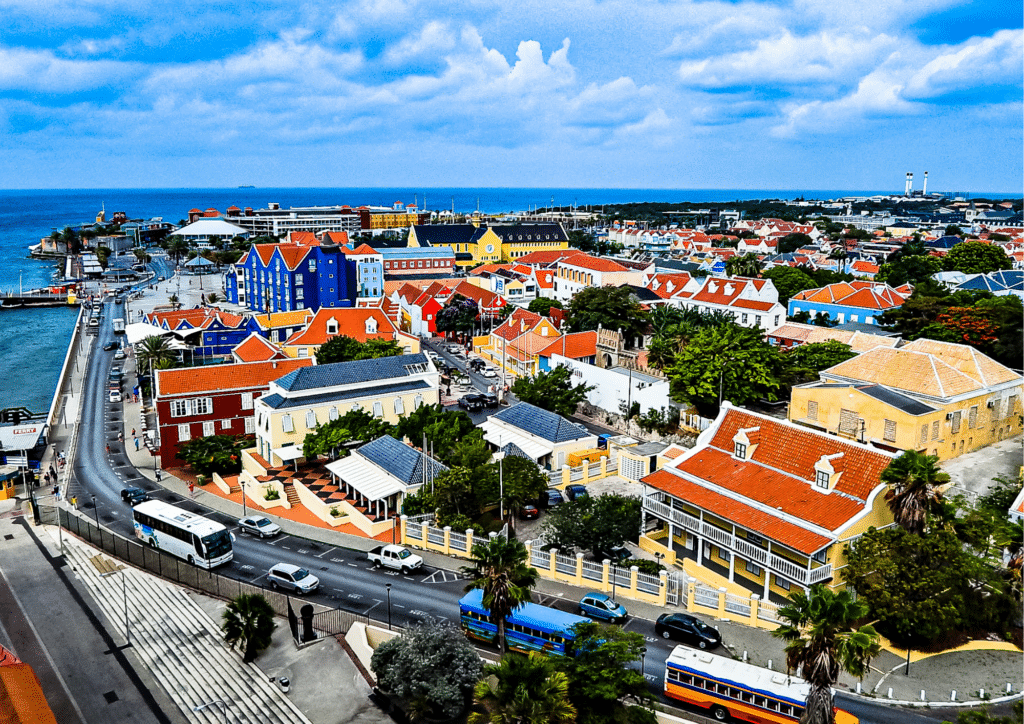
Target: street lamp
x: 221, y: 704
x: 124, y: 593
x: 242, y: 483
x: 96, y: 510
x: 388, y: 587
x: 643, y: 656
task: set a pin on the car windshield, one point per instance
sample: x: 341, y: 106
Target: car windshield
x: 300, y: 574
x: 611, y: 604
x: 404, y: 553
x: 262, y: 522
x: 217, y: 544
x: 702, y: 627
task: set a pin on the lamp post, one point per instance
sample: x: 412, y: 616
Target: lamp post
x: 242, y: 483
x: 388, y: 587
x: 643, y: 656
x: 218, y: 702
x: 96, y: 510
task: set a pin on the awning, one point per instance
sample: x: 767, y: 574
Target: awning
x: 140, y: 330
x: 288, y: 452
x: 501, y: 436
x: 372, y: 482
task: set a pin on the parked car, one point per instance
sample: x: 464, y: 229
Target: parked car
x: 576, y: 491
x: 119, y: 354
x: 529, y: 512
x: 454, y: 348
x: 109, y: 346
x: 292, y: 578
x: 134, y: 495
x: 471, y: 402
x: 551, y: 498
x: 476, y: 364
x: 489, y: 399
x: 602, y: 606
x: 615, y: 554
x: 688, y: 629
x: 115, y: 395
x: 259, y: 525
x: 489, y: 372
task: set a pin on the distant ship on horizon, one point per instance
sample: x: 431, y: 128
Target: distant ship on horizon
x: 247, y: 186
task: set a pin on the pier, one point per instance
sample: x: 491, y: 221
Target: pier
x: 20, y: 301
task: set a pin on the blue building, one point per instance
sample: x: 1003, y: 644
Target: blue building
x: 287, y: 277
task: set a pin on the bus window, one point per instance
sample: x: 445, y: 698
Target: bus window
x: 197, y: 545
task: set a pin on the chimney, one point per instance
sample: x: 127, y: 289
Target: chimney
x: 910, y: 184
x: 924, y: 189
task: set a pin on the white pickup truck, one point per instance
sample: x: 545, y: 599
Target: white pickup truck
x: 394, y: 557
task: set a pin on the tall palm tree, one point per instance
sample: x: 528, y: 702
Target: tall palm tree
x: 526, y: 690
x: 913, y: 493
x: 500, y: 568
x: 821, y: 642
x: 154, y: 353
x: 248, y: 624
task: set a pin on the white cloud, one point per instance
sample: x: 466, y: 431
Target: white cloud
x: 40, y: 70
x: 978, y: 63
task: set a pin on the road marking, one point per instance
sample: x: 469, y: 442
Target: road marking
x: 303, y: 551
x: 246, y: 568
x: 372, y: 607
x: 353, y: 565
x: 417, y: 612
x: 355, y: 596
x: 326, y: 552
x: 337, y: 560
x: 286, y: 548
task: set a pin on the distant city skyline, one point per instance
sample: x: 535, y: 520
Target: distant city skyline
x: 810, y: 94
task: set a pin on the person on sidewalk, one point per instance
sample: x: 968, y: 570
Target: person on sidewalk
x: 136, y: 444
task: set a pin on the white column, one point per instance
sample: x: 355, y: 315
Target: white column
x: 767, y: 571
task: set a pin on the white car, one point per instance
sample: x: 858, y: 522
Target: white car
x: 292, y: 578
x: 259, y: 525
x: 490, y: 373
x: 115, y: 395
x: 119, y: 354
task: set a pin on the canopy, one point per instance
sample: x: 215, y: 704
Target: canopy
x: 140, y: 330
x: 288, y: 452
x: 501, y: 436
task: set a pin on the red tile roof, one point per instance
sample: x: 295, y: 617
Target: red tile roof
x: 860, y: 294
x: 546, y: 258
x: 593, y: 263
x: 351, y: 322
x: 340, y: 238
x: 221, y: 378
x: 574, y: 346
x: 256, y: 349
x: 519, y: 322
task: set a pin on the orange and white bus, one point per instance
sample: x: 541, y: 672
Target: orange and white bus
x: 731, y: 688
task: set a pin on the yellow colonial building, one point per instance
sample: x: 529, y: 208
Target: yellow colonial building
x: 297, y: 404
x: 764, y: 505
x: 937, y: 398
x: 474, y: 244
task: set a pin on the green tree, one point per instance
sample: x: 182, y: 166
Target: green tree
x: 908, y: 270
x: 459, y: 315
x: 594, y: 524
x: 215, y: 453
x: 544, y: 305
x: 913, y: 494
x: 248, y: 623
x: 791, y: 242
x: 803, y: 363
x: 609, y: 308
x: 432, y: 666
x: 789, y: 281
x: 154, y: 353
x: 347, y: 349
x: 500, y: 568
x: 520, y: 479
x: 976, y: 257
x: 582, y: 240
x: 177, y: 248
x: 821, y: 641
x: 984, y: 716
x: 336, y: 437
x: 661, y: 352
x: 523, y: 690
x: 953, y: 230
x: 604, y: 685
x: 746, y: 265
x: 729, y: 362
x: 505, y: 312
x: 552, y: 391
x: 454, y: 494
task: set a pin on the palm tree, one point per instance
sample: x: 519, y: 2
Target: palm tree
x: 821, y: 642
x: 913, y: 481
x: 523, y: 690
x: 661, y: 352
x: 500, y: 569
x: 248, y: 624
x: 154, y: 353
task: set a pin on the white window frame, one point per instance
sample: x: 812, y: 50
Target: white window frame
x: 209, y: 428
x: 180, y: 408
x: 247, y: 400
x: 225, y: 424
x: 286, y: 424
x: 821, y: 476
x: 250, y: 425
x: 184, y: 432
x: 310, y: 419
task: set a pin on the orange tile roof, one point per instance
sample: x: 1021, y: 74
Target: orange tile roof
x: 292, y: 255
x: 265, y: 252
x: 668, y: 285
x: 585, y: 261
x: 221, y: 378
x: 574, y: 346
x: 351, y: 322
x: 364, y: 249
x: 483, y: 297
x: 519, y: 322
x: 303, y: 238
x: 489, y: 268
x: 861, y: 294
x: 339, y: 238
x: 544, y: 258
x: 275, y: 320
x: 256, y: 349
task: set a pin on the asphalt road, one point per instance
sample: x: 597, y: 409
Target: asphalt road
x: 348, y: 581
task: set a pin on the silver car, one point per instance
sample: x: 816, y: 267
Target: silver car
x: 292, y: 578
x: 259, y: 525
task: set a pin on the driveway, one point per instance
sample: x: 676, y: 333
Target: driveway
x: 974, y: 471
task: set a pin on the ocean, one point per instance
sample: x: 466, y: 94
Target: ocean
x: 32, y: 343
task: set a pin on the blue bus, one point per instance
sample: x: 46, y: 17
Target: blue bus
x: 531, y: 627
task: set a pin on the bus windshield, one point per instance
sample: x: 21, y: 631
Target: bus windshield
x: 217, y: 544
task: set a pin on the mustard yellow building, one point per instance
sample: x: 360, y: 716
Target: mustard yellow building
x: 765, y: 504
x: 474, y: 244
x: 938, y: 398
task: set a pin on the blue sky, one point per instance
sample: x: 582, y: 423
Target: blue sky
x: 831, y: 94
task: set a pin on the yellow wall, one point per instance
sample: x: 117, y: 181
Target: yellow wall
x: 500, y: 251
x: 945, y: 445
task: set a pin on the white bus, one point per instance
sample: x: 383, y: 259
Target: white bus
x: 200, y: 541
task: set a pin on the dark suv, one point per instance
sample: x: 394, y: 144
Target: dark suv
x: 134, y: 495
x: 471, y: 402
x: 489, y: 399
x: 688, y: 629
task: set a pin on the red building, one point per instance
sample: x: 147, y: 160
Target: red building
x: 216, y: 400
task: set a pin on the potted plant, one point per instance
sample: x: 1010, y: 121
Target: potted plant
x: 271, y: 494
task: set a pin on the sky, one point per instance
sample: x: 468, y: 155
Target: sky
x: 741, y: 94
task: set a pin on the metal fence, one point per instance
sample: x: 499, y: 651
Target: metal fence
x: 457, y: 541
x: 593, y: 571
x: 324, y: 622
x: 705, y: 596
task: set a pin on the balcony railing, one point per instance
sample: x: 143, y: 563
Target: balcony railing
x: 776, y: 564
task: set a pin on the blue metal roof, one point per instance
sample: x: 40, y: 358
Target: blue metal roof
x: 346, y: 373
x: 279, y: 402
x: 400, y: 460
x: 543, y: 424
x: 982, y: 282
x: 540, y: 618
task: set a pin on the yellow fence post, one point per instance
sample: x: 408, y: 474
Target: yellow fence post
x: 604, y: 466
x: 579, y: 569
x: 469, y: 544
x: 566, y: 475
x: 424, y: 528
x: 722, y: 592
x: 606, y: 580
x: 755, y: 603
x: 552, y: 555
x: 691, y: 604
x: 447, y: 539
x: 663, y: 590
x: 404, y: 522
x: 633, y: 582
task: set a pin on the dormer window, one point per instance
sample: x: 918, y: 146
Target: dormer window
x: 332, y: 326
x: 740, y: 450
x: 821, y: 479
x: 371, y: 325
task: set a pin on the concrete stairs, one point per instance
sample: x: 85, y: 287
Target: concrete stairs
x: 182, y: 646
x: 292, y: 494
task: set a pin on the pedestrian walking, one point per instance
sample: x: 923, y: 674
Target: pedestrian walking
x: 120, y: 436
x: 136, y: 444
x: 108, y: 448
x: 133, y: 432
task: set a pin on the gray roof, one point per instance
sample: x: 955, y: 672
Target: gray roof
x: 529, y: 232
x: 648, y: 448
x: 896, y: 399
x: 398, y: 459
x: 447, y: 234
x: 346, y: 373
x: 982, y: 282
x: 513, y: 450
x: 866, y: 328
x: 543, y: 424
x: 278, y: 402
